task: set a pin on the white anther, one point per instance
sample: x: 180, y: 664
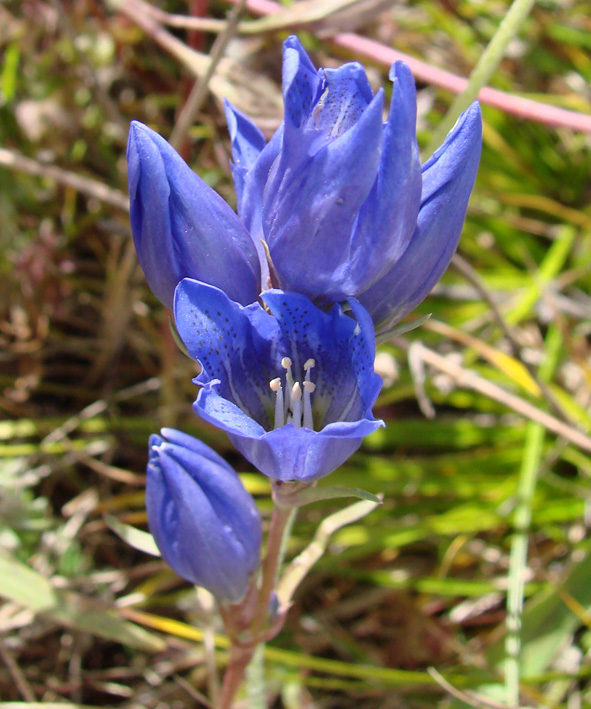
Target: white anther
x: 296, y: 405
x: 275, y: 385
x: 286, y: 363
x: 309, y: 388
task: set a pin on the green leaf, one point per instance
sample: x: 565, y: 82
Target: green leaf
x: 332, y: 492
x: 136, y: 538
x: 23, y: 585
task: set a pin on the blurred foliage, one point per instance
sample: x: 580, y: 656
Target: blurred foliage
x: 89, y: 370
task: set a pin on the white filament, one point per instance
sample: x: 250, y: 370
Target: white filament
x: 275, y: 385
x: 309, y: 388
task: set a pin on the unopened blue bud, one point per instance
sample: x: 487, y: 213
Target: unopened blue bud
x: 204, y: 522
x: 181, y: 227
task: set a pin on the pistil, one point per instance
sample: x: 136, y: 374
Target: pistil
x: 295, y: 405
x: 286, y: 364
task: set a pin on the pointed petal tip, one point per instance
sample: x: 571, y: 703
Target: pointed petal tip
x: 400, y: 70
x: 464, y: 140
x: 141, y: 137
x: 293, y: 42
x: 140, y: 131
x: 155, y: 440
x: 134, y: 135
x: 471, y: 118
x: 136, y: 125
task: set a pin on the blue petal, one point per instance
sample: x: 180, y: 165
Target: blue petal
x: 219, y: 334
x: 290, y: 453
x: 347, y: 94
x: 303, y: 86
x: 247, y: 144
x: 251, y: 194
x: 448, y: 178
x: 181, y: 227
x: 194, y: 445
x: 308, y: 218
x: 204, y: 522
x: 218, y: 411
x: 251, y: 205
x: 389, y: 215
x: 301, y: 83
x: 247, y: 139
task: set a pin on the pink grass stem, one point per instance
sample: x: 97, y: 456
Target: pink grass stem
x: 525, y: 108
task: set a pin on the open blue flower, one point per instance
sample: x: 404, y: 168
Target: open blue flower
x: 338, y: 197
x: 204, y: 522
x: 291, y: 384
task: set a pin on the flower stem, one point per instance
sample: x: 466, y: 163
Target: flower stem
x: 240, y: 656
x: 275, y: 546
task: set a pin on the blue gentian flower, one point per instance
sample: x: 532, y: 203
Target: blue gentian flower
x: 291, y: 384
x: 204, y: 522
x: 338, y: 197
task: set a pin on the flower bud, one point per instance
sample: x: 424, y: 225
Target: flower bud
x: 204, y: 522
x: 182, y: 227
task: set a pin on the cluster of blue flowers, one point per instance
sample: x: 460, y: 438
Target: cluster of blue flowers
x: 339, y: 231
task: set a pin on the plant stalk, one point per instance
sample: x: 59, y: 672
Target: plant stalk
x: 240, y: 656
x: 242, y: 653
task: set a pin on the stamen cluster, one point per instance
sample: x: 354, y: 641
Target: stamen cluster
x: 295, y: 404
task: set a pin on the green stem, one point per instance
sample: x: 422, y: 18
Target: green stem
x: 518, y: 558
x: 534, y: 445
x: 240, y: 657
x: 484, y: 69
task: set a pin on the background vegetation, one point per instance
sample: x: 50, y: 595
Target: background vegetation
x: 485, y: 459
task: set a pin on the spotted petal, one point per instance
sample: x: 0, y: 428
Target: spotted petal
x: 236, y: 356
x: 241, y: 351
